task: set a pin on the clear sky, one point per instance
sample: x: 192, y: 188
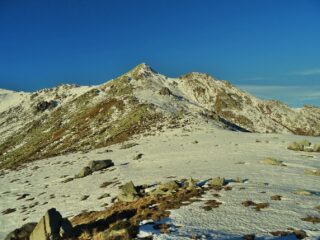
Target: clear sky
x: 269, y: 47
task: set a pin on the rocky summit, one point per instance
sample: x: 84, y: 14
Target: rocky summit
x: 71, y: 118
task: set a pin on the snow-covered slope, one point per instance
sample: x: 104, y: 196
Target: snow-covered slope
x: 69, y: 118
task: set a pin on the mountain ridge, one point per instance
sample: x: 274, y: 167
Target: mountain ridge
x: 71, y: 118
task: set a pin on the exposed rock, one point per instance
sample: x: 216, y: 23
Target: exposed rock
x: 128, y: 145
x: 105, y: 195
x: 165, y: 91
x: 217, y: 182
x: 52, y: 226
x: 84, y: 172
x: 42, y: 106
x: 316, y: 147
x: 128, y: 192
x: 315, y: 172
x: 296, y: 146
x: 166, y: 188
x: 190, y: 183
x: 21, y: 233
x: 272, y: 161
x: 97, y: 165
x: 303, y: 192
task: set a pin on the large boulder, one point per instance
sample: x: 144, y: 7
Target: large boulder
x: 84, y: 172
x: 272, y: 161
x: 97, y: 165
x: 128, y: 192
x: 21, y: 233
x: 295, y: 146
x: 52, y: 226
x: 316, y: 147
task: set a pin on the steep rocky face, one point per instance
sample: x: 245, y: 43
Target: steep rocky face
x: 71, y: 118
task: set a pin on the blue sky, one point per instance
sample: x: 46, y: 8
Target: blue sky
x: 269, y: 47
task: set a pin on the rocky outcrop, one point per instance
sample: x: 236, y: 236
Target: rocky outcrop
x: 52, y: 226
x: 165, y: 91
x: 44, y: 105
x: 305, y: 146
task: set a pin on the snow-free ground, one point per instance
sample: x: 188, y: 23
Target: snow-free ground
x: 200, y: 152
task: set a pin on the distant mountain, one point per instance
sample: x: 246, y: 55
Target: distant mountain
x: 71, y: 118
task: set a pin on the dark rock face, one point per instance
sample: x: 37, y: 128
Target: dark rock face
x: 22, y: 233
x: 165, y: 91
x: 42, y: 106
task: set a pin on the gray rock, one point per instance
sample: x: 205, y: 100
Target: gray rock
x: 128, y: 192
x: 165, y: 91
x: 97, y: 165
x: 84, y: 172
x: 295, y: 146
x: 22, y: 232
x: 48, y: 226
x: 272, y: 161
x: 316, y: 147
x: 52, y: 226
x: 217, y: 182
x: 166, y: 188
x: 314, y: 172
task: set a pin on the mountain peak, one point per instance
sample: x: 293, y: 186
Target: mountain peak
x: 142, y: 70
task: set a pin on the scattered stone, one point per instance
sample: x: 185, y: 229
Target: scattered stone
x: 52, y: 226
x: 84, y: 172
x: 84, y: 197
x: 22, y: 232
x: 303, y: 192
x: 97, y: 165
x: 166, y: 188
x: 128, y: 192
x: 128, y: 145
x: 276, y: 197
x: 139, y: 156
x: 314, y: 172
x: 217, y: 182
x: 67, y: 180
x: 272, y: 161
x: 296, y: 146
x: 316, y: 147
x: 190, y: 184
x: 8, y: 211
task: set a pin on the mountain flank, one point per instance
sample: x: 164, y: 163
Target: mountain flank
x: 71, y: 118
